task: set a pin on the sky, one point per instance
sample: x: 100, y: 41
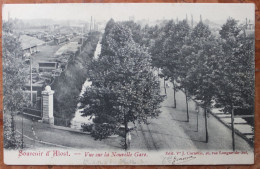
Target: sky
x: 122, y: 11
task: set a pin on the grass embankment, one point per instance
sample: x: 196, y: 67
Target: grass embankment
x: 68, y: 85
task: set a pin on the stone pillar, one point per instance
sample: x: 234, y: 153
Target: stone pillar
x: 47, y: 105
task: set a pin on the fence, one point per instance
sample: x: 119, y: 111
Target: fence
x: 233, y: 116
x: 62, y: 122
x: 66, y: 122
x: 32, y: 113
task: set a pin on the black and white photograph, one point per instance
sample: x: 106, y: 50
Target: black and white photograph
x: 128, y: 83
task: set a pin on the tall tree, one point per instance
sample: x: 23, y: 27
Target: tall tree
x: 162, y: 50
x: 69, y: 84
x: 203, y: 68
x: 237, y: 64
x: 123, y: 88
x: 14, y: 79
x: 177, y: 47
x: 137, y: 32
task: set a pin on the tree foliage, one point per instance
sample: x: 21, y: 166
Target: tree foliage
x: 124, y: 88
x: 212, y: 69
x: 237, y: 65
x: 15, y: 74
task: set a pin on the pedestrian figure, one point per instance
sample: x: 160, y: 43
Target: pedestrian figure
x: 197, y: 108
x: 167, y: 85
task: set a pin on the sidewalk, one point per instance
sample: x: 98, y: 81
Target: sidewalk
x: 241, y: 126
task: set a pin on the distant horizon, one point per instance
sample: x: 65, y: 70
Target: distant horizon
x: 218, y: 13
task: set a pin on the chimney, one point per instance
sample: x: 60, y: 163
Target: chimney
x: 91, y: 24
x: 246, y: 23
x: 191, y: 21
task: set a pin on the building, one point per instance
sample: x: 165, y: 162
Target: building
x: 47, y: 66
x: 249, y: 28
x: 29, y: 44
x: 60, y: 40
x: 249, y: 25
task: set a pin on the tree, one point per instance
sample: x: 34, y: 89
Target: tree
x: 162, y: 50
x: 123, y: 88
x: 237, y: 65
x: 177, y: 49
x: 69, y: 84
x: 14, y: 79
x: 137, y: 32
x: 221, y: 68
x: 204, y: 68
x: 105, y: 45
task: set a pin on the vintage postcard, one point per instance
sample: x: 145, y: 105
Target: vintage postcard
x: 128, y: 84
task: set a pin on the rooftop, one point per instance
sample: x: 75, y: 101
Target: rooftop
x: 71, y: 47
x: 29, y: 41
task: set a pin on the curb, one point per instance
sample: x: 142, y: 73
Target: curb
x: 251, y: 143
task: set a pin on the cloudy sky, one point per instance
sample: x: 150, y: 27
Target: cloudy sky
x: 122, y: 11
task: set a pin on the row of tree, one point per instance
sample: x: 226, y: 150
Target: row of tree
x: 68, y: 85
x: 124, y: 88
x: 218, y: 71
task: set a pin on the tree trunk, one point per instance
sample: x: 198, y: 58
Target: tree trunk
x: 158, y: 74
x: 164, y: 86
x: 174, y: 95
x: 12, y: 125
x: 187, y: 106
x: 126, y: 130
x: 198, y: 119
x: 206, y: 125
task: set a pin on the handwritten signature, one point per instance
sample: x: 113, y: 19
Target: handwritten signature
x: 177, y: 160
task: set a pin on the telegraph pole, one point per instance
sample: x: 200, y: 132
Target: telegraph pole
x: 94, y: 26
x: 22, y: 130
x: 191, y: 21
x: 80, y: 49
x: 31, y: 80
x: 90, y: 24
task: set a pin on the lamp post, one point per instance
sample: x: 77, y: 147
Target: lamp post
x: 197, y: 111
